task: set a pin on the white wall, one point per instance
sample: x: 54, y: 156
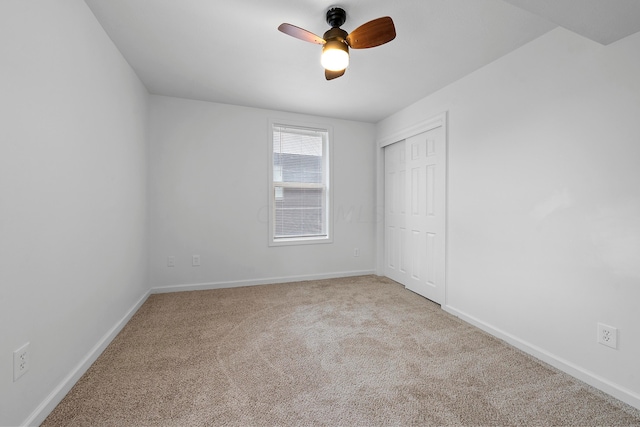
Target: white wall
x: 544, y: 201
x: 72, y: 196
x: 209, y: 196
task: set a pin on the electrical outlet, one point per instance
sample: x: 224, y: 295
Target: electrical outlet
x: 20, y: 361
x: 195, y: 261
x: 356, y: 252
x: 607, y: 335
x: 171, y: 261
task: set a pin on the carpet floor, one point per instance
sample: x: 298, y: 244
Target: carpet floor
x: 358, y: 351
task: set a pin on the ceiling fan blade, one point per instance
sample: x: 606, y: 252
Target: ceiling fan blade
x: 372, y: 34
x: 300, y: 33
x: 330, y: 75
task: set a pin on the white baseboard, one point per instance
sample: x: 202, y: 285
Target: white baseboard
x: 621, y: 393
x: 56, y: 396
x: 255, y: 282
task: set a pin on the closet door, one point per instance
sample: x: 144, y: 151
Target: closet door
x: 415, y: 189
x: 395, y: 212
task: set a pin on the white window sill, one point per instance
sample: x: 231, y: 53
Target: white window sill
x: 293, y: 241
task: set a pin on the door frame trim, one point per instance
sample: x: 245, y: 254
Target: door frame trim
x: 412, y: 130
x: 424, y: 126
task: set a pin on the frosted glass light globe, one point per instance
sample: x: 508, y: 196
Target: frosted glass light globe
x: 335, y: 56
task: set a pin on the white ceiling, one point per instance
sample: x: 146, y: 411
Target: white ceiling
x: 604, y: 21
x: 231, y: 51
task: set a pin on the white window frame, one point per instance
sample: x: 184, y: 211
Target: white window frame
x: 327, y: 175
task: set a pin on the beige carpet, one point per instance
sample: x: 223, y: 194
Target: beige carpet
x: 348, y: 352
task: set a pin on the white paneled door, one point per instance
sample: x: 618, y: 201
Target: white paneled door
x: 395, y: 213
x: 415, y: 188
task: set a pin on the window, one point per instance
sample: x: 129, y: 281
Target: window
x: 299, y: 191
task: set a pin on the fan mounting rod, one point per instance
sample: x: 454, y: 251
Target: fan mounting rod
x: 336, y: 17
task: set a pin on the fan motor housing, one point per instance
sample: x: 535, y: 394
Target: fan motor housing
x: 335, y: 34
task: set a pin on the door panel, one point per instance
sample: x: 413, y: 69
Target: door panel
x: 415, y: 213
x: 395, y: 212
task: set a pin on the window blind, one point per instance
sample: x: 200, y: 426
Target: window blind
x: 299, y: 182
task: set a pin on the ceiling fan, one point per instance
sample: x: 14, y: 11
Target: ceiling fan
x: 336, y: 42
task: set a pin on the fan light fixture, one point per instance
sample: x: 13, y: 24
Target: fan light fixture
x: 336, y: 41
x: 335, y: 55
